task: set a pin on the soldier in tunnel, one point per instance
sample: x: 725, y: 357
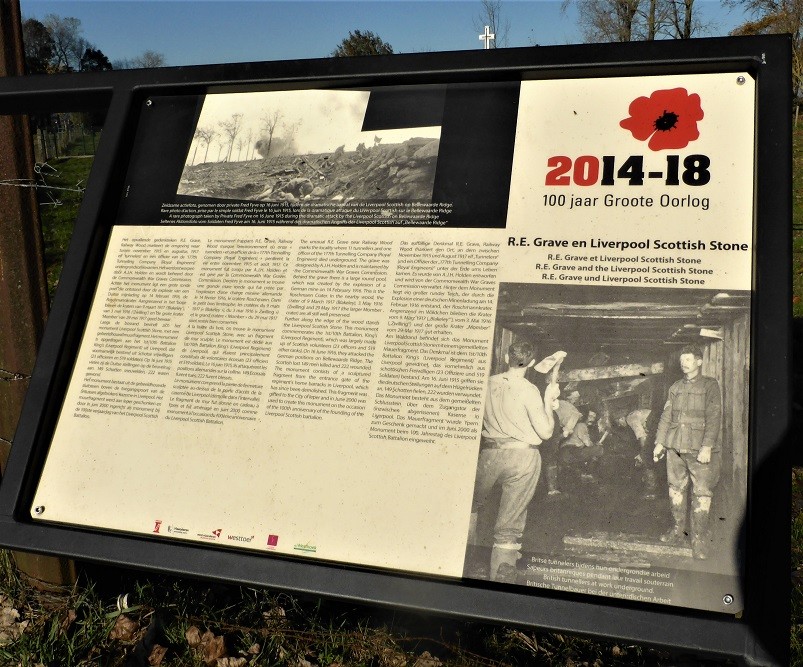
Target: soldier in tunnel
x: 689, y: 434
x: 515, y: 423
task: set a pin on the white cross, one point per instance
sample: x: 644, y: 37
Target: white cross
x: 487, y: 36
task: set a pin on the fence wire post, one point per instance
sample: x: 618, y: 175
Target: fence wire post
x: 23, y: 284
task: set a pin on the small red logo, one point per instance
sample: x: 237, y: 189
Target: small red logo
x: 217, y: 532
x: 273, y: 540
x: 667, y: 119
x: 157, y: 525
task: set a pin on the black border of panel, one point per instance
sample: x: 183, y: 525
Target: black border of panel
x: 759, y: 636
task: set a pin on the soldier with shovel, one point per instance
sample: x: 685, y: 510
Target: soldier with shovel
x: 516, y: 421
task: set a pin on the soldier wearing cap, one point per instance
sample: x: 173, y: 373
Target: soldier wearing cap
x: 689, y: 434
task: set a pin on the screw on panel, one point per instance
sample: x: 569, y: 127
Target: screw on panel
x: 728, y: 599
x: 39, y: 509
x: 148, y: 103
x: 741, y: 80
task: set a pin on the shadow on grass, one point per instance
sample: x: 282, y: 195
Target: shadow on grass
x: 118, y: 617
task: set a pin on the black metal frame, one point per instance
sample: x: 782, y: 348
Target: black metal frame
x: 759, y: 636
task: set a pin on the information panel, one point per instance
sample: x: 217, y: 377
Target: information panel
x: 379, y: 328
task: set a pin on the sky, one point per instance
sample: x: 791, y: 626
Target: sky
x: 215, y: 31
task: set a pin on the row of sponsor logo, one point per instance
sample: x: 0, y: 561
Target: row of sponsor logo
x: 272, y: 541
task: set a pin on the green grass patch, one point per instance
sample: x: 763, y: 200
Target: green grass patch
x: 59, y: 200
x: 83, y: 142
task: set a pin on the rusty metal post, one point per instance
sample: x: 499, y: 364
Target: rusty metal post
x: 23, y: 284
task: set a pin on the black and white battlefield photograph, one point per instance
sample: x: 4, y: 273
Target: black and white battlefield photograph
x: 305, y: 145
x: 614, y: 444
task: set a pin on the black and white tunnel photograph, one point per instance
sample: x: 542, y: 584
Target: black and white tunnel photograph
x: 614, y: 442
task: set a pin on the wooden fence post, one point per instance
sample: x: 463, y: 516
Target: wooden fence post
x: 23, y: 285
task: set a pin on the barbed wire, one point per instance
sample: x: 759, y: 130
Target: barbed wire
x: 10, y: 376
x: 42, y: 169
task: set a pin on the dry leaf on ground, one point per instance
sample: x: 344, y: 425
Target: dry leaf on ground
x: 427, y: 660
x: 391, y: 658
x: 157, y: 655
x: 10, y: 625
x: 275, y: 616
x: 231, y: 662
x: 193, y: 636
x: 211, y: 647
x: 124, y: 629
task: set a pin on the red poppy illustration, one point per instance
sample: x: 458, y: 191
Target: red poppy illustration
x: 668, y: 118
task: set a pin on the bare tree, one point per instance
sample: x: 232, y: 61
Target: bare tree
x: 269, y: 123
x: 769, y: 17
x: 607, y: 20
x: 148, y: 59
x: 231, y: 128
x: 249, y: 144
x: 203, y: 135
x: 68, y: 45
x: 673, y: 19
x: 491, y: 15
x: 289, y: 131
x: 635, y: 20
x: 682, y: 18
x: 651, y: 22
x: 122, y: 63
x: 196, y: 138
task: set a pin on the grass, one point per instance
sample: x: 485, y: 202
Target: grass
x: 84, y: 625
x: 83, y: 141
x: 65, y: 179
x: 167, y: 619
x: 46, y: 639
